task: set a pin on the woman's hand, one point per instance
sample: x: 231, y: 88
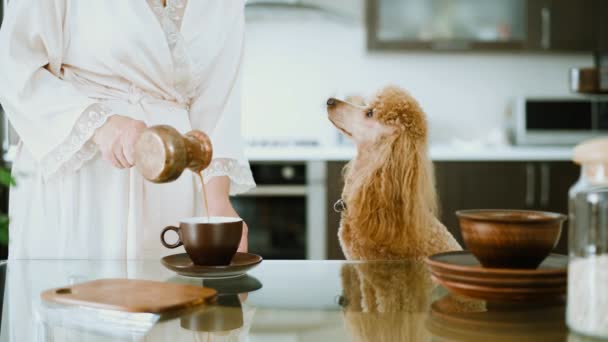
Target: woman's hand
x: 116, y: 140
x: 219, y: 204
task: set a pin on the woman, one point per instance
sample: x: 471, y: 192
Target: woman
x: 80, y: 80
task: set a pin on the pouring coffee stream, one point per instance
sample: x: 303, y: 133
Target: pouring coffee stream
x: 162, y: 154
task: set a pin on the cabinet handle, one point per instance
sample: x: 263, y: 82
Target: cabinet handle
x: 545, y: 19
x: 530, y: 185
x: 545, y: 178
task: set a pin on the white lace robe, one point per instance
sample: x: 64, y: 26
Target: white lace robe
x: 66, y: 66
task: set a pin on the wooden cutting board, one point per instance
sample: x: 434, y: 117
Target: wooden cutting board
x: 130, y: 295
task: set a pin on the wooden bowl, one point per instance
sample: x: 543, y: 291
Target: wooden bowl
x: 510, y: 238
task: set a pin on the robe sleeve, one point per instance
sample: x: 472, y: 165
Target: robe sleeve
x: 217, y: 108
x: 53, y: 119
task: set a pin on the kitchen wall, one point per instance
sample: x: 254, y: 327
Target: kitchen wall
x: 293, y: 64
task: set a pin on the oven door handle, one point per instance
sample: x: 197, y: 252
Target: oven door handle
x: 277, y: 190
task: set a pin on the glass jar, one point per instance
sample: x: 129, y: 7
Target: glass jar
x: 587, y: 311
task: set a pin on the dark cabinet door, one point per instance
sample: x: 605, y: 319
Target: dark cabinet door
x: 555, y: 180
x: 562, y: 25
x: 602, y: 28
x: 335, y: 183
x: 504, y: 185
x: 482, y: 185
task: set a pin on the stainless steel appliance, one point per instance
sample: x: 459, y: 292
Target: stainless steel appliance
x: 559, y: 121
x: 286, y: 212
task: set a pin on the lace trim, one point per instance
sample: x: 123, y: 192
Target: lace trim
x: 170, y: 18
x: 241, y: 179
x: 78, y: 148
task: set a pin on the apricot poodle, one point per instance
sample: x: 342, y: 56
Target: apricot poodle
x: 389, y: 201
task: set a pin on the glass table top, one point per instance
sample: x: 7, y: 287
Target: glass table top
x: 276, y: 301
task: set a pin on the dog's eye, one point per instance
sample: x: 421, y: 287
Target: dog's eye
x: 370, y: 113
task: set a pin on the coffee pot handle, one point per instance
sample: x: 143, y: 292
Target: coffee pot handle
x: 169, y: 245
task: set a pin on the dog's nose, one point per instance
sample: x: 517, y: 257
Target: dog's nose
x: 331, y: 101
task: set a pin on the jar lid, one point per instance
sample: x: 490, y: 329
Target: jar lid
x: 594, y: 150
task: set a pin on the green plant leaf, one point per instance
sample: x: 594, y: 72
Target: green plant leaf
x: 5, y: 177
x: 3, y: 230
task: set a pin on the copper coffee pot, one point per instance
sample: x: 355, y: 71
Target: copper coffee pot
x: 162, y: 153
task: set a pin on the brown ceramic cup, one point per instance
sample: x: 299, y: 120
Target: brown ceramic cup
x: 208, y: 243
x: 510, y: 238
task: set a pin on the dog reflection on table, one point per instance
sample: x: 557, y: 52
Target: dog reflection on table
x: 389, y: 200
x: 386, y: 301
x: 390, y: 301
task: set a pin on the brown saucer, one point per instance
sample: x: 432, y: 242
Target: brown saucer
x: 461, y: 273
x: 504, y: 294
x: 182, y: 265
x: 502, y: 281
x: 464, y: 263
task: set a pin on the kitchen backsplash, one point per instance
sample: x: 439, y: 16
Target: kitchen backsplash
x: 293, y: 66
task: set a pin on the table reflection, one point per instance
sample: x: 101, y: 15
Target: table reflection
x: 544, y: 322
x: 278, y: 301
x: 389, y: 301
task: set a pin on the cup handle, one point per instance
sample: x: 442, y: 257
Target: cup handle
x: 162, y: 237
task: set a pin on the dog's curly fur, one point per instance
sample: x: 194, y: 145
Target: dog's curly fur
x: 389, y: 188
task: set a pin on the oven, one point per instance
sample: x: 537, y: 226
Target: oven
x: 286, y: 211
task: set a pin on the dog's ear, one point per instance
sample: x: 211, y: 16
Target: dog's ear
x: 393, y: 192
x: 396, y: 107
x: 410, y: 166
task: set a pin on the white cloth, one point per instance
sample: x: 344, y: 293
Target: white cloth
x: 66, y: 67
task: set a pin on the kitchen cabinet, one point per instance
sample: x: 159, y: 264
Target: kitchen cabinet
x: 479, y: 185
x: 463, y: 25
x: 603, y: 28
x: 504, y: 185
x: 335, y: 184
x: 562, y: 25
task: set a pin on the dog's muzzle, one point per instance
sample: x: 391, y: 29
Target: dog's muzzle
x: 339, y: 206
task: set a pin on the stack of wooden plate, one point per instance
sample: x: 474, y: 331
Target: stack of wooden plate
x: 462, y: 274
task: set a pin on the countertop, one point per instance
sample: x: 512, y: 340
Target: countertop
x: 277, y: 301
x: 437, y: 153
x: 444, y: 152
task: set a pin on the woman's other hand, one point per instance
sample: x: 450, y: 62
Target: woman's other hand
x: 116, y: 140
x: 219, y: 204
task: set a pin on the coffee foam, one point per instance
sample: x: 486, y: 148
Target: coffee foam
x: 212, y: 219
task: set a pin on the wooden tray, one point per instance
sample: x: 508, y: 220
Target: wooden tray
x: 130, y: 295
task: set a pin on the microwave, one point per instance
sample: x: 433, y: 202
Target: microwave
x: 559, y: 121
